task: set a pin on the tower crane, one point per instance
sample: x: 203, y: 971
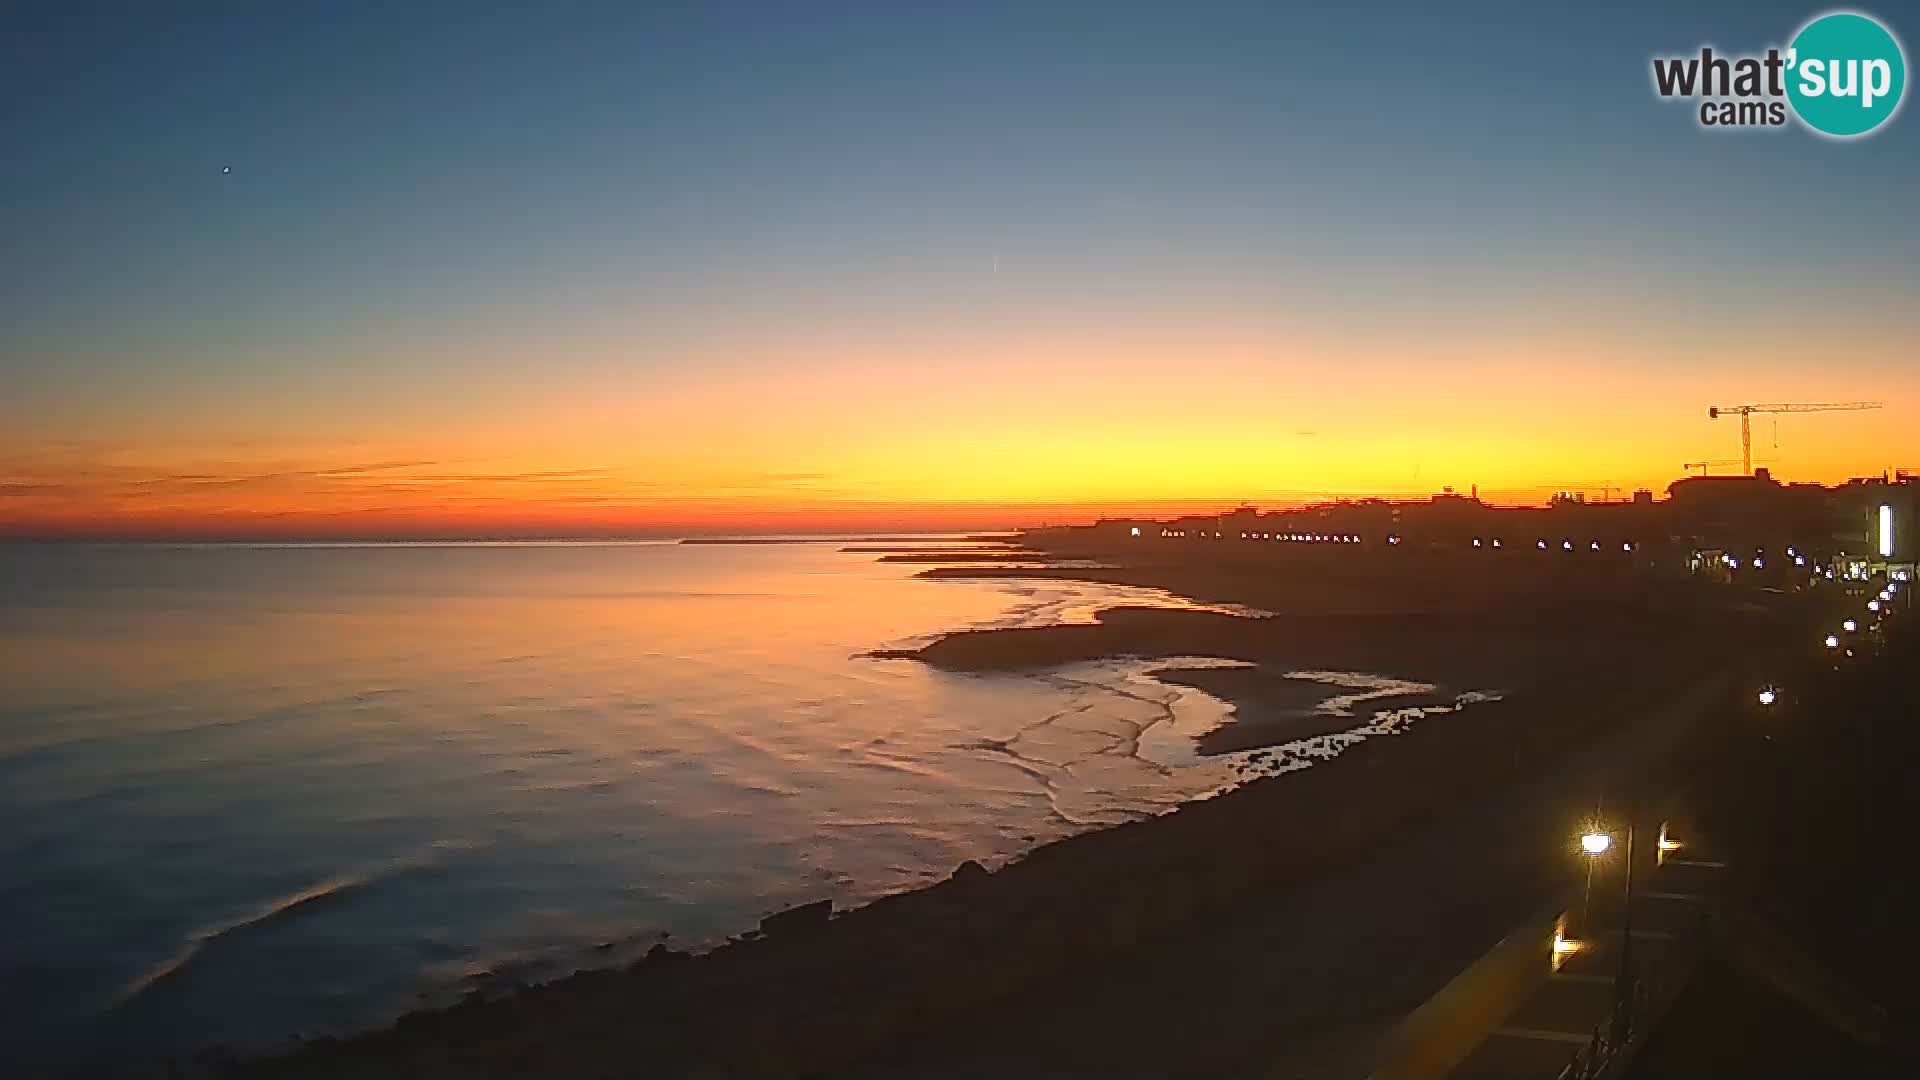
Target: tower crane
x: 1746, y: 412
x: 1703, y: 466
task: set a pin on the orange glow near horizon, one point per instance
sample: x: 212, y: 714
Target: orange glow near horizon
x: 1012, y: 437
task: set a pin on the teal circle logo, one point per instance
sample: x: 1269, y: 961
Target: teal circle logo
x: 1845, y: 74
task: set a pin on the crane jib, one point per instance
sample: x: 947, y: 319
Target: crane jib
x: 1745, y: 412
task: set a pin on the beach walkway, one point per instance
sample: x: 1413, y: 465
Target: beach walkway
x: 1571, y: 1020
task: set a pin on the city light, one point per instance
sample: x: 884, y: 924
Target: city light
x: 1563, y: 948
x: 1873, y: 605
x: 1768, y: 697
x: 1596, y: 843
x: 1665, y: 846
x: 1850, y: 626
x: 1832, y: 642
x: 1496, y: 543
x: 1886, y: 530
x: 1799, y: 560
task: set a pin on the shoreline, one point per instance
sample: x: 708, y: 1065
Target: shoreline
x: 830, y: 992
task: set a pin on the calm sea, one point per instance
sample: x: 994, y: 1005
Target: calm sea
x: 252, y: 791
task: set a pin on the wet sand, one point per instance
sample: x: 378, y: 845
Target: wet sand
x: 1278, y: 708
x: 955, y: 556
x: 901, y: 986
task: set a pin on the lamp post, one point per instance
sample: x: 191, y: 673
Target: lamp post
x: 1623, y: 987
x: 1594, y: 844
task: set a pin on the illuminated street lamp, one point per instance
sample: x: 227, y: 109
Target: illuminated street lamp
x: 1594, y: 843
x: 1850, y: 626
x: 1832, y: 642
x: 1873, y: 605
x: 1768, y: 696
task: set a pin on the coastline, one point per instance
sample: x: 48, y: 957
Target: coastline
x: 811, y: 995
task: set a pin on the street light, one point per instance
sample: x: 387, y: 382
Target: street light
x: 1768, y: 696
x: 1832, y: 642
x: 1850, y: 626
x: 1595, y: 842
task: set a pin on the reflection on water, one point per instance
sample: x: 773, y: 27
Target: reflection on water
x: 251, y: 790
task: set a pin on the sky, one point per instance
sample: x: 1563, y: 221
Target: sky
x: 359, y: 269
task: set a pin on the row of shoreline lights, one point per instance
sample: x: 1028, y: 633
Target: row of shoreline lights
x: 1760, y: 561
x: 1855, y: 570
x: 1392, y: 539
x: 1296, y: 538
x: 1875, y: 606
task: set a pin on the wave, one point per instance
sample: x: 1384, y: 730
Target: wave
x: 270, y: 915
